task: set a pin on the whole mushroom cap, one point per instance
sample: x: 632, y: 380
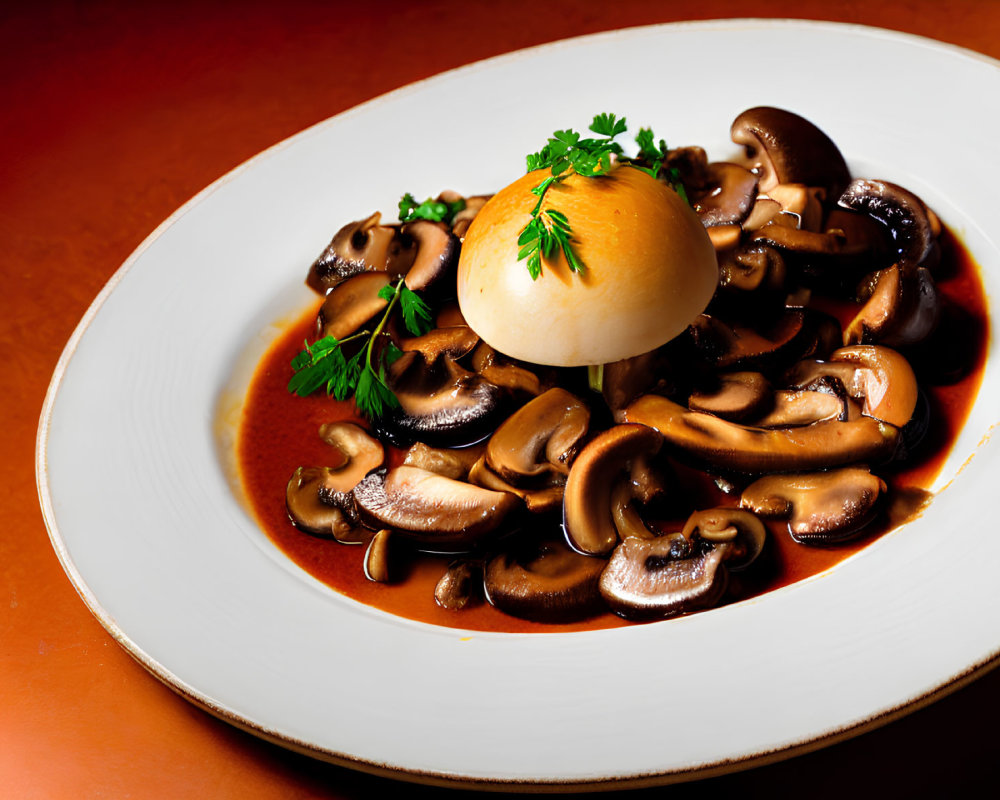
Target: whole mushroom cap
x: 650, y: 269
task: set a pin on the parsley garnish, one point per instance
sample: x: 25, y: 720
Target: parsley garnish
x: 324, y: 364
x: 434, y: 210
x: 565, y: 154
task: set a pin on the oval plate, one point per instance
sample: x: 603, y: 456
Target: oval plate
x: 137, y: 489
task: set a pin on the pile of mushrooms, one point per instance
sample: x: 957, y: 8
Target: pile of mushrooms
x: 555, y: 503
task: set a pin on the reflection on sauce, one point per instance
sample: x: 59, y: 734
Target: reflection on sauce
x: 279, y: 434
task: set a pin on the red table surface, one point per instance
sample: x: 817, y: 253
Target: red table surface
x: 113, y: 115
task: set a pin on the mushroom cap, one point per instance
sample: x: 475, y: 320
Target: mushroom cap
x: 650, y: 269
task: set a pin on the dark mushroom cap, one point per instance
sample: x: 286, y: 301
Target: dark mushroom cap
x: 902, y: 213
x: 728, y: 196
x: 787, y: 148
x: 361, y: 246
x: 437, y: 250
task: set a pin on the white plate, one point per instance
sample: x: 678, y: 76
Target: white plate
x: 137, y: 496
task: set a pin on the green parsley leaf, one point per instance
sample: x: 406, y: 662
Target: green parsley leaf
x: 416, y: 313
x: 429, y: 209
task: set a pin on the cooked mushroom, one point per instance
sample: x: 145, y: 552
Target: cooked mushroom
x: 744, y: 532
x: 440, y: 403
x: 361, y: 246
x: 503, y: 372
x: 902, y: 304
x: 537, y: 500
x: 737, y: 397
x: 541, y: 437
x: 587, y: 516
x: 377, y: 560
x: 543, y: 579
x: 452, y: 462
x: 878, y: 377
x: 309, y: 511
x: 453, y: 342
x: 787, y: 148
x: 437, y: 251
x: 727, y: 445
x: 351, y: 304
x: 820, y: 507
x: 662, y: 577
x: 439, y: 513
x: 728, y: 196
x: 454, y: 591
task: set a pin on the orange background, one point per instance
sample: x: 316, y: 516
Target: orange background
x: 112, y: 114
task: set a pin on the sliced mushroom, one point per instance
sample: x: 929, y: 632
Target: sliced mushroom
x: 503, y: 372
x: 452, y: 462
x: 358, y: 454
x: 796, y: 407
x: 362, y: 246
x: 902, y: 213
x: 728, y: 196
x: 658, y: 578
x: 541, y: 437
x: 310, y: 512
x: 544, y: 580
x: 440, y: 403
x: 730, y: 446
x: 737, y: 397
x: 787, y: 148
x: 378, y: 566
x: 436, y: 254
x: 439, y: 513
x: 741, y: 529
x: 902, y: 308
x: 453, y: 342
x: 455, y: 590
x: 820, y: 507
x: 539, y: 500
x: 351, y: 304
x: 587, y: 517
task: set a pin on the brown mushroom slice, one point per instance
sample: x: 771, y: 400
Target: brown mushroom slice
x: 744, y: 532
x: 359, y: 452
x: 730, y: 446
x: 648, y: 579
x: 361, y: 246
x: 502, y: 372
x: 796, y: 407
x: 437, y: 253
x: 902, y: 308
x: 310, y: 512
x: 899, y: 210
x: 455, y: 590
x: 463, y: 219
x: 378, y: 567
x: 805, y: 202
x: 452, y: 462
x: 351, y: 304
x: 885, y: 380
x: 820, y: 507
x: 540, y: 437
x: 441, y: 403
x: 728, y: 196
x: 453, y: 342
x: 799, y: 241
x: 536, y: 501
x: 787, y: 148
x: 439, y: 513
x: 543, y: 580
x: 587, y: 517
x: 739, y: 396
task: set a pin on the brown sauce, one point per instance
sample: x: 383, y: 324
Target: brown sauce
x: 278, y: 433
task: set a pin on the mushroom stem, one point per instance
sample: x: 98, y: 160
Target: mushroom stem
x: 595, y: 377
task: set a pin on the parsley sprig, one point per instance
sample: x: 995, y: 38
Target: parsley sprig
x: 433, y: 210
x: 324, y: 364
x: 567, y: 153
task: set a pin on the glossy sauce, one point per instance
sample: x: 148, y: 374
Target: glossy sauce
x: 278, y: 433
